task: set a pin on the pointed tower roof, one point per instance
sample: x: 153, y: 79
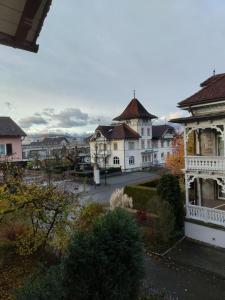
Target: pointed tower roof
x: 134, y: 110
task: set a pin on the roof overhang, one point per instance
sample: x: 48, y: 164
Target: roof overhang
x: 206, y: 102
x: 197, y: 118
x: 21, y: 22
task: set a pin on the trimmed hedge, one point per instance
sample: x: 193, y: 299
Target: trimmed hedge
x: 143, y: 197
x: 153, y: 183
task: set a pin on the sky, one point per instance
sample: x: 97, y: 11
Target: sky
x: 93, y: 54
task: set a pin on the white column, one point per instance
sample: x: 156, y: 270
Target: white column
x: 186, y: 190
x: 185, y: 142
x: 197, y: 135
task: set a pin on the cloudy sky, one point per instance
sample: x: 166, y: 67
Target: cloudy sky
x: 94, y: 53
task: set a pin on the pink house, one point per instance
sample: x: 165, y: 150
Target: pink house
x: 10, y: 140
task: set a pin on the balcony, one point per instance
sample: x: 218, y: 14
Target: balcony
x: 206, y: 214
x: 205, y: 163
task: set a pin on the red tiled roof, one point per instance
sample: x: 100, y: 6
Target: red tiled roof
x: 118, y: 132
x: 213, y: 90
x: 159, y: 130
x: 134, y: 110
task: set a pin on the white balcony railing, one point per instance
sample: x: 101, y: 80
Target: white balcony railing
x: 205, y: 163
x: 206, y: 214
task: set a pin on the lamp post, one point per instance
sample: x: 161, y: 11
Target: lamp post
x: 105, y: 162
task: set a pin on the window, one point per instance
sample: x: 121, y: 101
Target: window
x: 131, y: 160
x: 168, y: 143
x: 161, y: 143
x: 142, y: 144
x: 115, y: 147
x: 162, y: 155
x: 142, y: 131
x: 155, y: 144
x: 116, y: 160
x: 149, y: 144
x: 131, y: 145
x: 5, y: 149
x: 2, y: 149
x: 168, y: 154
x: 155, y: 155
x: 148, y: 131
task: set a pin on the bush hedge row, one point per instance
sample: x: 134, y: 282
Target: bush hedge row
x: 153, y: 183
x: 143, y: 197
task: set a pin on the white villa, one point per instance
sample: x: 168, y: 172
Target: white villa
x: 131, y: 142
x: 205, y: 171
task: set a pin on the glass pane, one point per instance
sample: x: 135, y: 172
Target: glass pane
x: 220, y: 146
x: 2, y: 149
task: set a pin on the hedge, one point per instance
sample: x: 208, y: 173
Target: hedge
x: 143, y: 197
x: 153, y: 183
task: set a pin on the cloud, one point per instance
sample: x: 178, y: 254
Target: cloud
x: 71, y: 117
x: 36, y: 119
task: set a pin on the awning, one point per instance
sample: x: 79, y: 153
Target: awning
x: 21, y: 22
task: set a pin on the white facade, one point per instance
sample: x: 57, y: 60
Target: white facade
x: 205, y: 171
x: 162, y: 148
x: 130, y: 154
x: 125, y: 154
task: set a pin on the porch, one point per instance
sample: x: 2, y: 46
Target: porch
x: 205, y: 198
x: 205, y: 163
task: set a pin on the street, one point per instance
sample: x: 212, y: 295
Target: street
x: 103, y: 192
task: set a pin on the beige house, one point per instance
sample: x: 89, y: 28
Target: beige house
x: 205, y: 170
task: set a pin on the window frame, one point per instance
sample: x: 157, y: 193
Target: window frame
x: 116, y: 160
x: 5, y: 152
x: 131, y: 160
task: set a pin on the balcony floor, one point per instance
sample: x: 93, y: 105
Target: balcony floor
x: 217, y: 204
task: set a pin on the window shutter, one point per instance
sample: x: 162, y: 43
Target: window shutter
x: 9, y: 149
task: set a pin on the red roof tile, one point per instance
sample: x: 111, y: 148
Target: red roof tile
x: 134, y: 110
x: 213, y: 90
x: 118, y: 132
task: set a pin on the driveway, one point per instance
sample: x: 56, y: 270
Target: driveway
x: 103, y: 192
x: 175, y: 281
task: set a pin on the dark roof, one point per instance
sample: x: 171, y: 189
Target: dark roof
x: 210, y: 116
x: 118, y: 132
x: 9, y: 128
x: 158, y: 131
x: 134, y: 110
x: 21, y: 23
x: 213, y: 90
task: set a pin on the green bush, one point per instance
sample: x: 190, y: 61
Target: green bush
x: 169, y: 191
x: 153, y: 183
x: 106, y: 263
x: 144, y: 198
x: 88, y: 215
x: 111, y: 170
x: 44, y: 284
x: 165, y: 222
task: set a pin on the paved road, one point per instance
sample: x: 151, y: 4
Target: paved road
x: 183, y: 283
x: 103, y: 192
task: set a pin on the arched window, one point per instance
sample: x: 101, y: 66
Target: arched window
x: 131, y: 160
x: 116, y: 160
